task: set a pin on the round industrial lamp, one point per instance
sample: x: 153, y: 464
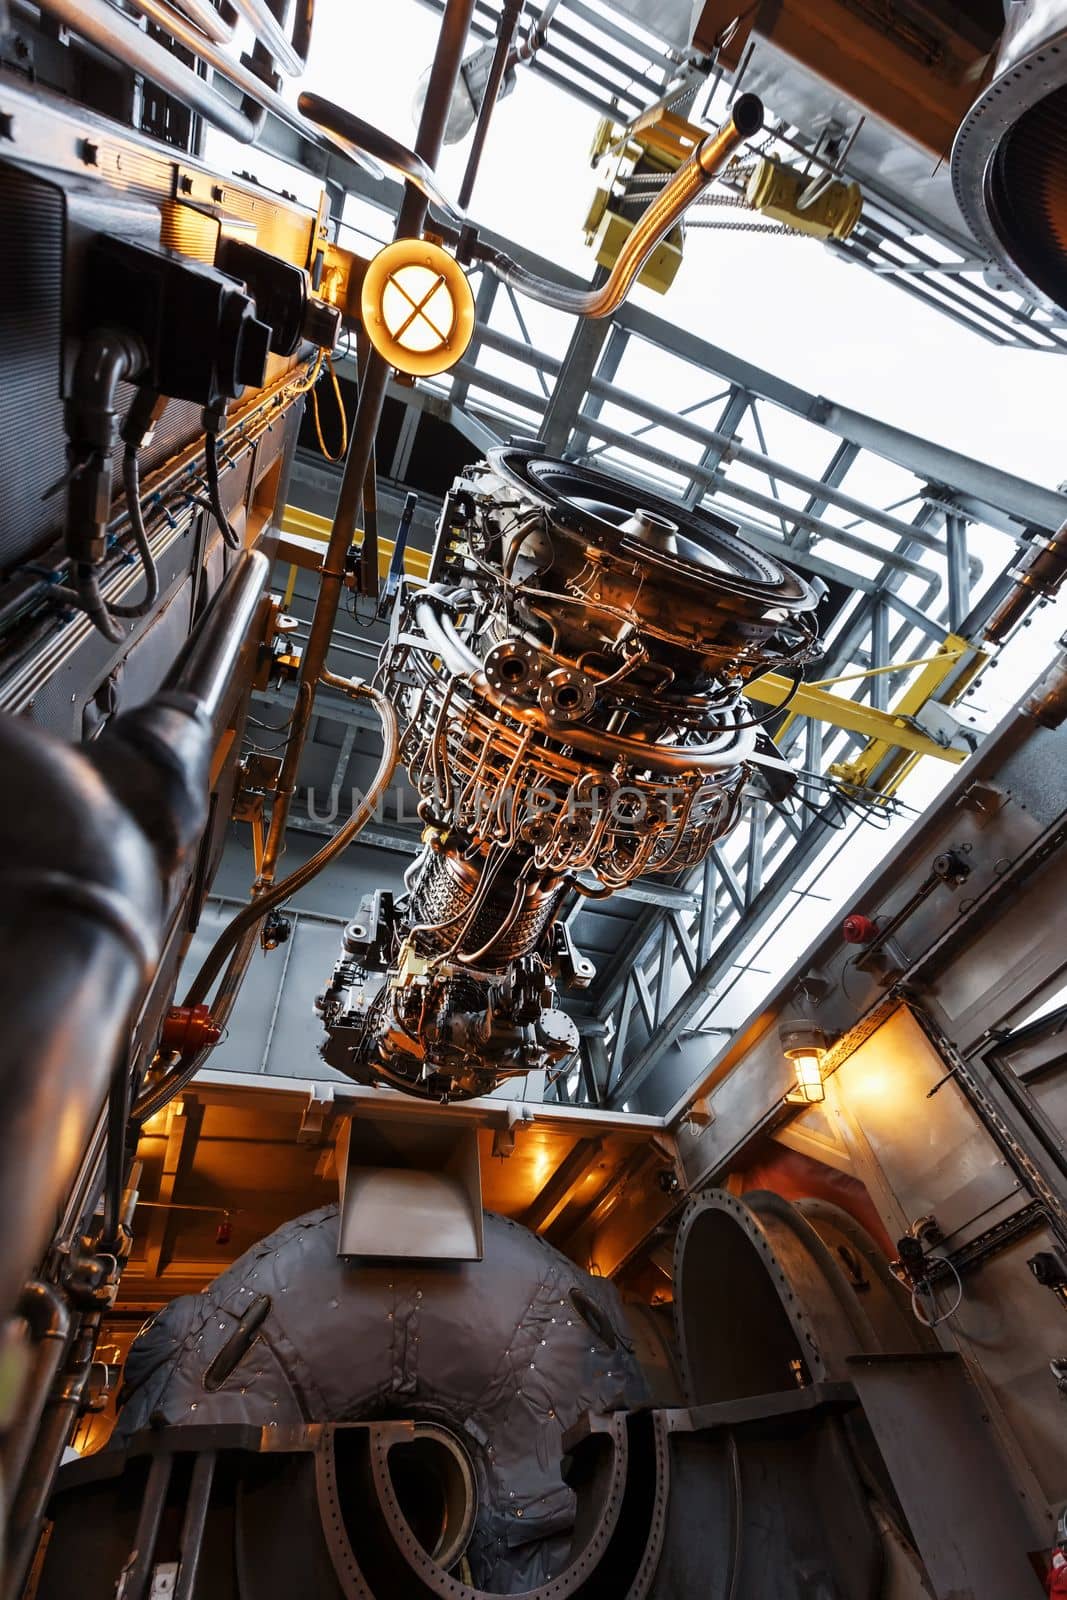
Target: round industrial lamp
x: 804, y: 1043
x: 418, y: 308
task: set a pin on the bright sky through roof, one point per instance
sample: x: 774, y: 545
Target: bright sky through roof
x: 785, y: 303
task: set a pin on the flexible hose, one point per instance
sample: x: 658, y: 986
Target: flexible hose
x: 237, y: 940
x: 343, y: 449
x: 131, y: 480
x: 86, y: 594
x: 211, y: 461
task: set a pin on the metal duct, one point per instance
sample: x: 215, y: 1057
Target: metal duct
x: 504, y: 1353
x: 1009, y: 160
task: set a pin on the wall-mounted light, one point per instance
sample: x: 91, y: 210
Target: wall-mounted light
x: 804, y: 1042
x: 417, y: 307
x: 807, y: 1064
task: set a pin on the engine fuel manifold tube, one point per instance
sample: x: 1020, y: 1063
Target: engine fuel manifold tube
x: 570, y: 683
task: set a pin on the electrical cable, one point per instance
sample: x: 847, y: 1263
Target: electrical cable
x: 271, y: 727
x: 211, y: 460
x: 86, y: 594
x: 343, y: 451
x: 916, y: 1308
x: 131, y: 480
x: 773, y: 711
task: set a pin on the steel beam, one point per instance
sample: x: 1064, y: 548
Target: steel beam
x: 959, y: 587
x: 1028, y: 503
x: 607, y: 370
x: 730, y: 419
x: 772, y: 690
x: 634, y: 1072
x: 574, y: 379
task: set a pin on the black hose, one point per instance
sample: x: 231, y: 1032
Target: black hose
x: 86, y: 594
x: 211, y: 459
x: 131, y: 479
x: 773, y: 711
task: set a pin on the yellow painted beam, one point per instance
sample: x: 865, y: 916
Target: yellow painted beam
x: 888, y: 727
x: 886, y: 754
x: 308, y: 525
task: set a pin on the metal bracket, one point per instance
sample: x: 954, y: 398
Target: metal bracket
x: 316, y: 1123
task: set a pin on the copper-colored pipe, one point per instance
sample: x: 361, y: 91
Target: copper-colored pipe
x: 372, y: 385
x: 691, y: 178
x: 446, y: 643
x: 1039, y: 573
x: 234, y: 945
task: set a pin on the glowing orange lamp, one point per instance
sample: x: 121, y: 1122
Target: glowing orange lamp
x: 418, y: 307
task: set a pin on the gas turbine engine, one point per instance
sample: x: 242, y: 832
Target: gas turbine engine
x: 570, y: 680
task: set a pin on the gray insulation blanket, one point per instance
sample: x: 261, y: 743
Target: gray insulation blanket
x: 495, y: 1349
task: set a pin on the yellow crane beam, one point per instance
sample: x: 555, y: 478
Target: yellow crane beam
x: 885, y: 731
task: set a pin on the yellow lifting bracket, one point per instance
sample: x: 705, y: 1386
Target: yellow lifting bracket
x: 890, y: 734
x: 301, y: 535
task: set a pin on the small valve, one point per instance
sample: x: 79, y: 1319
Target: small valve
x: 276, y: 930
x: 188, y: 1028
x: 858, y: 929
x: 952, y: 866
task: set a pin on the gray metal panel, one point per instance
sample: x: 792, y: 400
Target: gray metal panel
x: 946, y: 1165
x: 928, y: 1419
x: 297, y: 1031
x: 409, y: 1189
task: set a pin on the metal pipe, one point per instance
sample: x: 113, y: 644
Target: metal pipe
x: 361, y: 139
x: 117, y: 35
x: 412, y: 215
x: 691, y: 178
x: 274, y: 895
x: 210, y: 22
x: 194, y: 1523
x: 44, y: 1309
x: 60, y: 1415
x: 206, y: 669
x: 509, y: 21
x: 273, y: 35
x: 446, y: 643
x: 71, y: 977
x: 138, y: 1570
x: 235, y: 944
x: 87, y: 909
x: 1038, y: 575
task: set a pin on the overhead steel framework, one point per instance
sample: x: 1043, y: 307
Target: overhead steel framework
x: 620, y: 70
x: 913, y: 542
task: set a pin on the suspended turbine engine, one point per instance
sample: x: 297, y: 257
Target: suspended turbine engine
x: 571, y: 681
